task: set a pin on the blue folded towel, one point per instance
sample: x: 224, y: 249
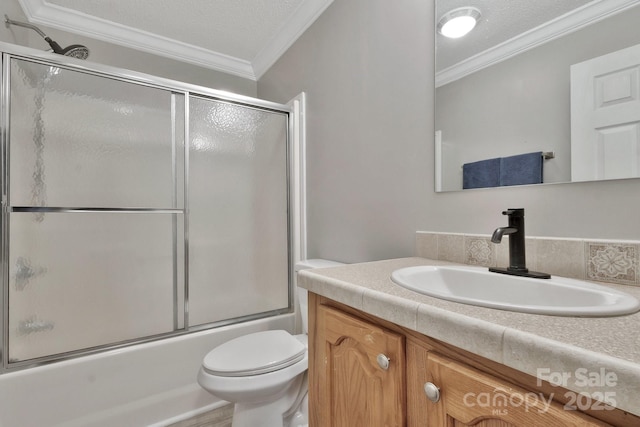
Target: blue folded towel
x: 521, y: 169
x: 484, y: 173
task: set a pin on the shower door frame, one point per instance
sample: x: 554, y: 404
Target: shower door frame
x: 9, y: 52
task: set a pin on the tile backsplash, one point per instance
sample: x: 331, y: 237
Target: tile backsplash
x: 599, y: 260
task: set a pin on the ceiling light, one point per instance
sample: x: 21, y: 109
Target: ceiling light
x: 458, y: 22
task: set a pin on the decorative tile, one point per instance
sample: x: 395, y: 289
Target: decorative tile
x: 603, y: 261
x: 427, y: 245
x: 612, y: 262
x: 531, y: 256
x: 480, y: 251
x: 502, y: 252
x: 561, y: 257
x: 451, y: 248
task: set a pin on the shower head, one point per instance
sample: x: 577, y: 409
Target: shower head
x: 75, y: 50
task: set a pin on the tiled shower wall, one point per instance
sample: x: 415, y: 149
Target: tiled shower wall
x: 597, y: 260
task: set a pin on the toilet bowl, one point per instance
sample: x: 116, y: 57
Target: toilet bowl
x: 264, y: 374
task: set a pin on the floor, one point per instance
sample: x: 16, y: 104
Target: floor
x: 220, y: 417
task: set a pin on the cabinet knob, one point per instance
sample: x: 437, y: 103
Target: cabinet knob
x: 432, y: 391
x: 383, y: 361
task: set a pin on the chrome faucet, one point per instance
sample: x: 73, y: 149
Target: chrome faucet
x: 517, y: 254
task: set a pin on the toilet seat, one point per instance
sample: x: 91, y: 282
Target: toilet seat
x: 254, y: 354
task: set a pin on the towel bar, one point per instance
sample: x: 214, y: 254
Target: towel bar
x: 545, y: 155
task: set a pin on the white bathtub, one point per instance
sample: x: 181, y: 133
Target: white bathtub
x: 150, y: 384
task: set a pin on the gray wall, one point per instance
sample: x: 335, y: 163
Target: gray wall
x: 523, y: 104
x: 367, y: 66
x: 118, y: 56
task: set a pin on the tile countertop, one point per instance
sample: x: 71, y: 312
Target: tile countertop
x: 595, y: 356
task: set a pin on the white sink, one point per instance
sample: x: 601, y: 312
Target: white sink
x: 557, y: 296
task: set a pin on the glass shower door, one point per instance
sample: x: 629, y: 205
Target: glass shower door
x: 95, y: 210
x: 238, y: 216
x: 134, y: 210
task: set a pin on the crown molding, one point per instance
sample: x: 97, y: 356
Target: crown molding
x: 563, y: 25
x: 50, y: 15
x: 54, y: 16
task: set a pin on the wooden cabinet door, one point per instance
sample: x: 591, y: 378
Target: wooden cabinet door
x: 469, y: 397
x: 347, y: 385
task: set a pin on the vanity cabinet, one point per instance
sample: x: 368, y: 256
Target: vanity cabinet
x: 468, y: 397
x: 358, y: 372
x: 364, y: 371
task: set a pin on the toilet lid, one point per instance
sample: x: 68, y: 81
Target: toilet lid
x: 254, y: 354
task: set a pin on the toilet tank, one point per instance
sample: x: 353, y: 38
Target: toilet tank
x: 302, y: 293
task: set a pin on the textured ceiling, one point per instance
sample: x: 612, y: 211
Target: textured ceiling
x: 501, y: 20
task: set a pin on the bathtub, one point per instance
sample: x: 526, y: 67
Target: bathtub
x: 152, y: 384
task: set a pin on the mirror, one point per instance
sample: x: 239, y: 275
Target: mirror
x: 504, y: 91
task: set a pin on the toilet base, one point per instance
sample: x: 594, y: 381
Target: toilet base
x: 285, y: 411
x: 300, y: 418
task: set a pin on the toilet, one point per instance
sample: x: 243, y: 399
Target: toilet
x: 264, y: 374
